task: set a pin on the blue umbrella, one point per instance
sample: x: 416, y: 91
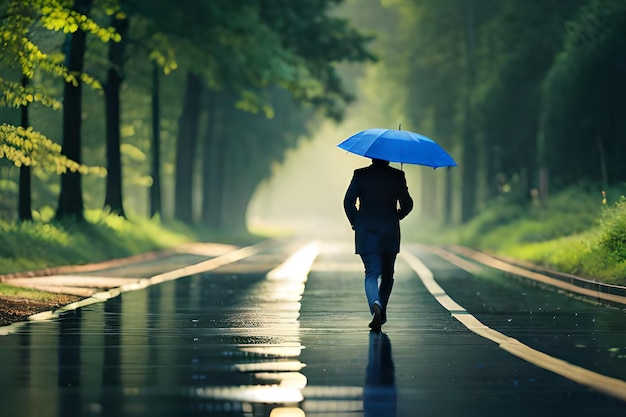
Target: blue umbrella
x: 398, y: 146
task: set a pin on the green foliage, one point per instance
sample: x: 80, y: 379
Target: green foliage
x: 575, y: 232
x: 22, y: 53
x: 319, y: 40
x: 598, y: 253
x: 512, y: 62
x: 17, y: 95
x: 495, y: 216
x: 531, y: 84
x: 583, y: 98
x: 504, y: 223
x: 245, y: 47
x: 42, y: 244
x: 21, y: 292
x: 613, y: 232
x: 24, y: 146
x: 57, y: 18
x: 162, y: 52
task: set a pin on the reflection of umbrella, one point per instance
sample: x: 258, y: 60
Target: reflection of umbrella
x: 398, y: 146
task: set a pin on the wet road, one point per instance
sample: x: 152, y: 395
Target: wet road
x: 264, y: 336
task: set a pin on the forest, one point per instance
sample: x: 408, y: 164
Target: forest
x: 179, y: 110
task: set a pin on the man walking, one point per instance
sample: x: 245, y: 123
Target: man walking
x: 383, y: 200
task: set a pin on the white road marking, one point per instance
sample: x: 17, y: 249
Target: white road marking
x: 99, y: 297
x: 602, y: 383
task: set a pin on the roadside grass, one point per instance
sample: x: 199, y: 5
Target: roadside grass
x: 10, y: 291
x: 102, y: 236
x: 45, y: 243
x: 573, y: 232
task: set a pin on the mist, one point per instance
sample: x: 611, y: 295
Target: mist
x: 305, y: 193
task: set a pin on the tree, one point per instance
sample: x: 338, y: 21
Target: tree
x: 23, y: 146
x: 146, y: 50
x: 254, y: 47
x: 115, y: 76
x: 155, y: 171
x: 583, y: 98
x: 514, y: 62
x: 241, y: 148
x: 186, y: 146
x: 238, y: 160
x: 431, y: 59
x: 24, y: 201
x: 71, y: 195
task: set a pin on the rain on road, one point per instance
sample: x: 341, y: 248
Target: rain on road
x: 283, y: 332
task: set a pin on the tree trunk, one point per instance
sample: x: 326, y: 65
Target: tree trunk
x: 113, y: 199
x: 215, y: 169
x: 155, y: 188
x: 436, y: 191
x: 470, y: 148
x: 24, y: 200
x: 214, y: 178
x: 238, y: 189
x: 210, y: 166
x: 444, y: 114
x: 186, y: 147
x: 71, y: 195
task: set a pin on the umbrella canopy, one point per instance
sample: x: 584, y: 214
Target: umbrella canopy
x: 398, y: 146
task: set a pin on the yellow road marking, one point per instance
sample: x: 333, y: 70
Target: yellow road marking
x: 297, y: 266
x: 602, y: 383
x: 535, y: 276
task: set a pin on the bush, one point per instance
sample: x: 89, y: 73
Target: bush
x: 496, y: 217
x: 613, y: 232
x: 574, y: 232
x: 504, y: 224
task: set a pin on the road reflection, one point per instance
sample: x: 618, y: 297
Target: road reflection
x: 379, y: 393
x: 225, y: 343
x: 68, y: 355
x: 111, y: 396
x: 268, y: 349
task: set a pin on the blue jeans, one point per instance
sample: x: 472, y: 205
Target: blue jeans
x: 378, y: 265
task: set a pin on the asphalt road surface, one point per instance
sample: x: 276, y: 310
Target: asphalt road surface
x: 280, y: 330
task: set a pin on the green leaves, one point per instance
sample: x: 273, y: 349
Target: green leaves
x: 24, y: 146
x: 16, y: 95
x: 57, y: 18
x: 583, y: 98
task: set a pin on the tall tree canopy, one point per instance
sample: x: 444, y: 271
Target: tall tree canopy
x: 210, y: 94
x: 525, y: 92
x: 22, y: 58
x: 583, y: 130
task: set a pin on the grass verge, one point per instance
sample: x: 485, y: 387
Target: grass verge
x: 46, y: 243
x: 574, y: 232
x: 25, y: 293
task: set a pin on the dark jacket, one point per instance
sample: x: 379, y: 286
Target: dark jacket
x: 379, y: 189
